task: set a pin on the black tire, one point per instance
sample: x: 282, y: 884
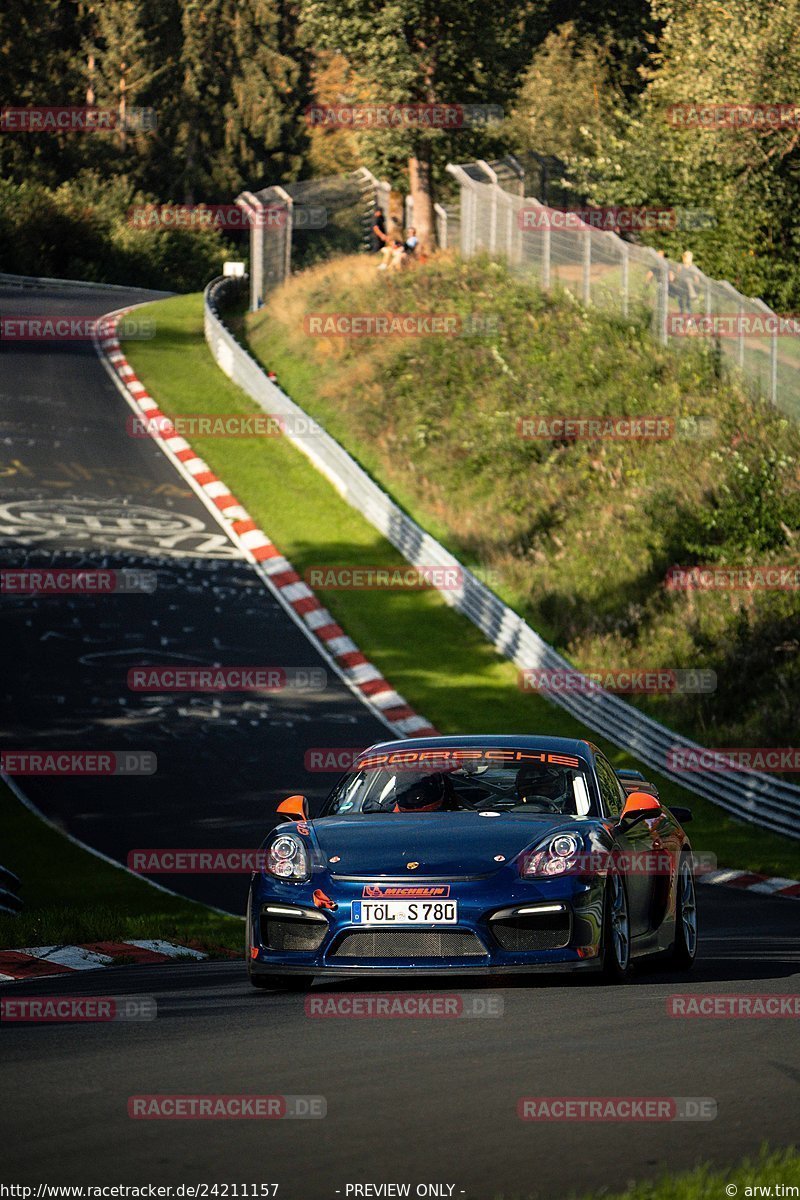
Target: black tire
x: 684, y: 948
x: 282, y: 983
x: 617, y: 964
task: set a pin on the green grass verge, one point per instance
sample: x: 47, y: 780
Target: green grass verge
x: 432, y: 654
x: 73, y: 897
x: 771, y: 1168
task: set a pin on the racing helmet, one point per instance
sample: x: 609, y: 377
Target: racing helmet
x: 428, y: 794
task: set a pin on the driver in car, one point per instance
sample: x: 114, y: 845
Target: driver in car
x: 545, y: 787
x: 430, y: 794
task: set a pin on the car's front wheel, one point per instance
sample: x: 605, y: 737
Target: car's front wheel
x: 684, y: 948
x: 617, y: 967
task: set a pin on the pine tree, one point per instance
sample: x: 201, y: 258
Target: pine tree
x: 240, y: 96
x: 40, y: 66
x: 123, y: 64
x: 264, y: 136
x: 451, y: 52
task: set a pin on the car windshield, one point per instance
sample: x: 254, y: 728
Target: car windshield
x: 464, y: 786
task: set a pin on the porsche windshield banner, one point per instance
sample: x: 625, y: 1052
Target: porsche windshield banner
x: 456, y: 756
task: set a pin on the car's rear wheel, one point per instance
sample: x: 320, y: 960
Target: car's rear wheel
x: 617, y: 967
x: 282, y: 983
x: 684, y: 948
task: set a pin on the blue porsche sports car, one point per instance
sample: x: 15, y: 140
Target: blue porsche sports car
x: 489, y: 854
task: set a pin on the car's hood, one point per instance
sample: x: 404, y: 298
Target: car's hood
x: 442, y: 844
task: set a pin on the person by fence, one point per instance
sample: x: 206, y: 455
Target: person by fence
x: 687, y: 284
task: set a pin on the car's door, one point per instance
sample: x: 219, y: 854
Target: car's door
x: 636, y: 844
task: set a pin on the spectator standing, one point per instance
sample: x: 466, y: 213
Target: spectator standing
x: 687, y: 283
x: 378, y: 231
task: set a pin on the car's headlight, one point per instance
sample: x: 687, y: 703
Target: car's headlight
x: 287, y: 859
x: 559, y: 855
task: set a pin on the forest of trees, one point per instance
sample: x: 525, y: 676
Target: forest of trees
x: 229, y: 84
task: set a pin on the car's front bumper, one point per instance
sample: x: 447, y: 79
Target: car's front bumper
x: 487, y: 918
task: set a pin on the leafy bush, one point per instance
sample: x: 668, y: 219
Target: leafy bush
x: 81, y: 230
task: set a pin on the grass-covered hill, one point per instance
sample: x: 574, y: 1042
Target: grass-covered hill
x: 579, y: 534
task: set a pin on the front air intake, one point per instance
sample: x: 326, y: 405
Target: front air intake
x: 298, y: 930
x: 409, y: 943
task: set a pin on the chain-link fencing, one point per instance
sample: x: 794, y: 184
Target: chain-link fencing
x: 295, y: 225
x: 557, y: 246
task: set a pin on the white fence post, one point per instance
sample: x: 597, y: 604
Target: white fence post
x: 586, y: 280
x: 441, y: 224
x: 254, y: 209
x: 662, y: 310
x: 547, y: 256
x: 286, y: 265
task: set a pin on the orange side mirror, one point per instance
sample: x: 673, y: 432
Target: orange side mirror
x: 640, y: 804
x: 295, y: 807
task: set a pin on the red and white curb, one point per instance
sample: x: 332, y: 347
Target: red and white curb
x: 297, y: 597
x: 749, y: 881
x: 40, y: 961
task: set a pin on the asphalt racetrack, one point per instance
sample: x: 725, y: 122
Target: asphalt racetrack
x: 77, y: 490
x: 409, y: 1101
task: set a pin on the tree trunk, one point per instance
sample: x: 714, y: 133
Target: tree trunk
x: 419, y: 177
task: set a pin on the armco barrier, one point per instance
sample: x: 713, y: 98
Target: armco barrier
x: 749, y: 795
x: 10, y: 902
x: 39, y: 282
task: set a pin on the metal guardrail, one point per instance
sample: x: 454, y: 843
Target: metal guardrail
x: 750, y: 795
x: 45, y: 281
x: 10, y: 902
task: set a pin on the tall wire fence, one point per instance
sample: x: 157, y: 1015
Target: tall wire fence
x: 294, y: 225
x: 557, y: 247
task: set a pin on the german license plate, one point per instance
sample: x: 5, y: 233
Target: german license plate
x: 405, y: 912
